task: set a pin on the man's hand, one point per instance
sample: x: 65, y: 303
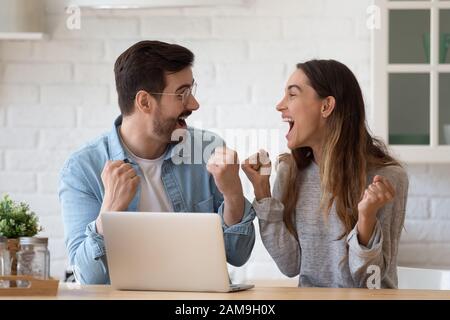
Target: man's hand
x: 120, y: 182
x: 257, y: 169
x: 224, y: 167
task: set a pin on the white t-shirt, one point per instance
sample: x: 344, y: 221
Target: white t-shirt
x: 153, y: 195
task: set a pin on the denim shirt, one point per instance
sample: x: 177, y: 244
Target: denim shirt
x: 189, y: 187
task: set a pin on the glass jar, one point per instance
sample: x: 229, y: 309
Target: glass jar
x: 4, y: 256
x: 33, y: 257
x: 4, y: 261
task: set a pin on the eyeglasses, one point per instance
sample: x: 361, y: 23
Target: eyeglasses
x: 185, y: 95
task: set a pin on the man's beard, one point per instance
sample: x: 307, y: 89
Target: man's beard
x: 164, y: 129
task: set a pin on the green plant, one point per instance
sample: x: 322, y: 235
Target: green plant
x: 17, y: 220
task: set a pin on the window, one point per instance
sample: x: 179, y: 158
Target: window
x: 411, y: 86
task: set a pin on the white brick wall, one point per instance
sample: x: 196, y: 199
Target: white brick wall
x: 57, y: 93
x: 37, y: 73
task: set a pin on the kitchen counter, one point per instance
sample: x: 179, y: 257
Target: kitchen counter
x: 103, y: 292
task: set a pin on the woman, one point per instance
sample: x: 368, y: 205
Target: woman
x: 338, y: 203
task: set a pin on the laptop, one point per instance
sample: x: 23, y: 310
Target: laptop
x: 167, y: 252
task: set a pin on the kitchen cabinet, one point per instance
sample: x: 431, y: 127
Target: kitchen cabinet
x: 22, y: 19
x: 411, y: 85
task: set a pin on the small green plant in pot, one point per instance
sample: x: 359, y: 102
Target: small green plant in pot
x: 16, y: 220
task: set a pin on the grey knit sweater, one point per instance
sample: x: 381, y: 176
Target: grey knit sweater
x: 319, y: 257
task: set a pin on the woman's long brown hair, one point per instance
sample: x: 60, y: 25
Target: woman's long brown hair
x: 348, y: 152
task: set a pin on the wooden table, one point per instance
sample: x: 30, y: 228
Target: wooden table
x: 102, y: 292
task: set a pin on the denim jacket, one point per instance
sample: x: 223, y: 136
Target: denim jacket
x: 189, y: 187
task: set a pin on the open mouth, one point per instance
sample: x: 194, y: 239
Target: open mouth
x: 181, y: 121
x: 290, y: 121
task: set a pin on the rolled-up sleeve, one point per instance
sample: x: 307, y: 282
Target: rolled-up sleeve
x: 80, y: 209
x: 282, y: 246
x: 380, y: 253
x: 239, y: 238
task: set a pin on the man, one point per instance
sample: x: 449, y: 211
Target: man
x: 137, y: 166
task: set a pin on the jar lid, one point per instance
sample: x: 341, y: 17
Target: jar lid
x: 33, y: 240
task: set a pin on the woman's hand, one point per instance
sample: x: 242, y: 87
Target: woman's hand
x: 377, y: 194
x: 257, y: 168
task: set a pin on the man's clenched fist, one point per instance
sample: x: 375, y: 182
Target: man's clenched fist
x: 120, y: 182
x: 224, y: 167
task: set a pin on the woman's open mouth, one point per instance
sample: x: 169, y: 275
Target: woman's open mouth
x: 290, y: 121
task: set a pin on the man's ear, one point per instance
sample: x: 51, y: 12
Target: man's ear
x: 328, y: 105
x: 144, y: 102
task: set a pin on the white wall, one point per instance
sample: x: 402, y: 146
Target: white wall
x: 58, y: 93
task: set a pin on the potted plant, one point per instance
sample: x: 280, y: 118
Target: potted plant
x: 16, y: 220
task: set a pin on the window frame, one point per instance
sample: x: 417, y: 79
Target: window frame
x: 432, y: 153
